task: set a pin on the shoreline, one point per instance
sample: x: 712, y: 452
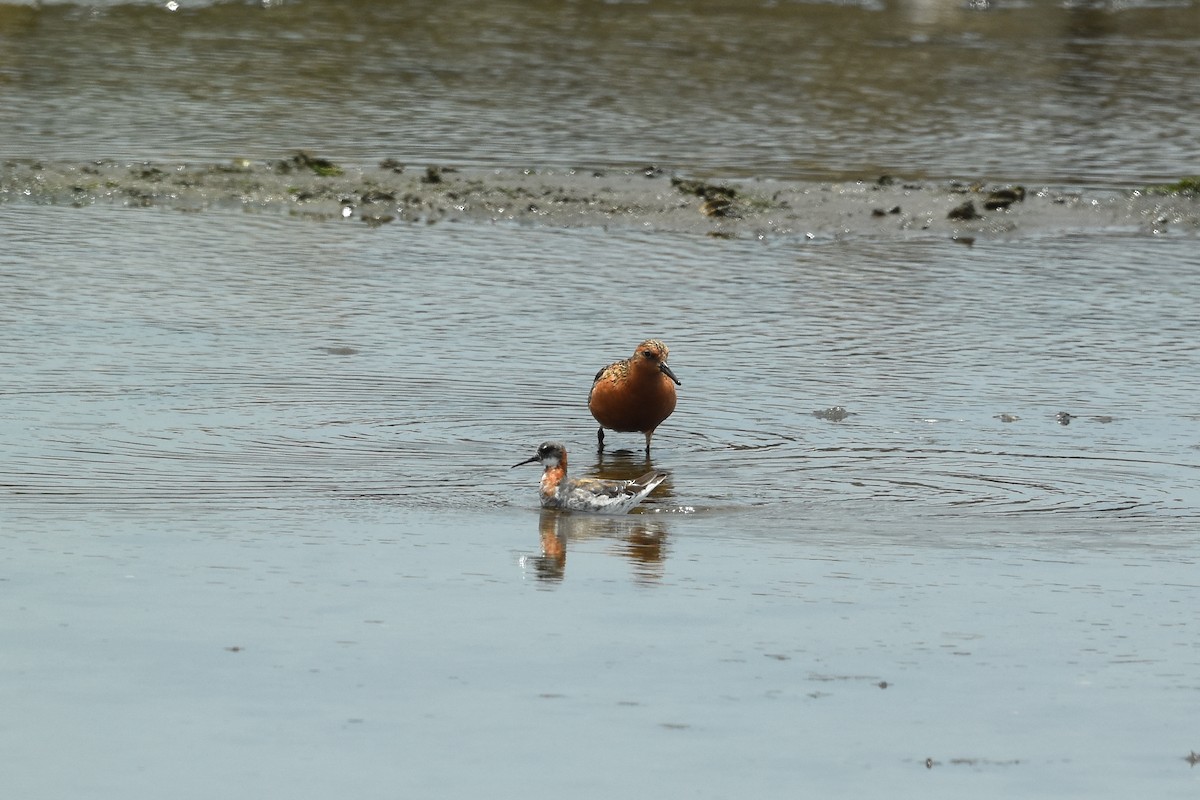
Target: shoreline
x: 648, y: 199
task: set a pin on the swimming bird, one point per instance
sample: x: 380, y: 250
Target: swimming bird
x: 635, y: 394
x: 596, y: 495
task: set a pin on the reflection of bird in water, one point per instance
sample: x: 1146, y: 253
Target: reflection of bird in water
x: 597, y: 495
x: 635, y: 394
x: 640, y: 539
x: 552, y: 564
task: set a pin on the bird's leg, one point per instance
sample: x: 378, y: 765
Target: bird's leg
x: 648, y: 435
x: 600, y: 439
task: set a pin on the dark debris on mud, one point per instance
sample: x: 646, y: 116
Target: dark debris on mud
x: 307, y: 185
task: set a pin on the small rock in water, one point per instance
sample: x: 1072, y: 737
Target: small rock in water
x: 1007, y: 417
x: 1064, y: 417
x: 965, y: 211
x: 834, y: 414
x: 1003, y: 198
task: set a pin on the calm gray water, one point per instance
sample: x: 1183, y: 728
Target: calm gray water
x: 1098, y: 93
x: 412, y: 364
x: 260, y: 535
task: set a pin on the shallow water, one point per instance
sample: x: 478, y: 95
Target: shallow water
x: 327, y: 358
x: 1083, y: 92
x: 258, y: 519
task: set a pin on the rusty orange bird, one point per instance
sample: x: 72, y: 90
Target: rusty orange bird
x: 635, y: 394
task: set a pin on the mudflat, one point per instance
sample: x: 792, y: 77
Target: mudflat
x: 645, y: 199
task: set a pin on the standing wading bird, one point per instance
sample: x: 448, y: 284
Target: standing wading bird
x: 596, y: 495
x: 635, y: 394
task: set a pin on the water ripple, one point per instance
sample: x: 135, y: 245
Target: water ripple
x: 412, y: 366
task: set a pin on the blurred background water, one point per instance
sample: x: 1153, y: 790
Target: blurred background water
x: 1099, y: 93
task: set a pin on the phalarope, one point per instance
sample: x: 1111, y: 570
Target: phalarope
x: 596, y: 495
x: 635, y: 394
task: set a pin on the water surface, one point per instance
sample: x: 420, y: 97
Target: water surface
x: 293, y: 356
x: 260, y: 533
x: 1094, y: 93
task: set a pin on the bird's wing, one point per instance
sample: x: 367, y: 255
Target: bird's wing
x: 600, y: 488
x: 616, y: 497
x: 647, y: 481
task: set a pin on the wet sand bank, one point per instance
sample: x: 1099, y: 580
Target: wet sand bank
x: 647, y: 199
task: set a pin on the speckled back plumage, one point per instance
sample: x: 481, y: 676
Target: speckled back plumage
x: 600, y: 496
x: 619, y: 370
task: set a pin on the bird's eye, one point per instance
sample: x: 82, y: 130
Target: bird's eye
x: 648, y: 354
